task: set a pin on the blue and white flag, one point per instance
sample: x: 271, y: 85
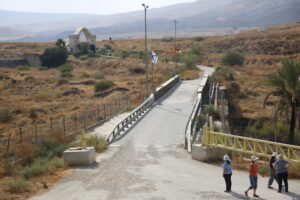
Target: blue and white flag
x: 154, y: 58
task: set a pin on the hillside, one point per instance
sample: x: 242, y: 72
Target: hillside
x: 214, y: 17
x: 263, y: 48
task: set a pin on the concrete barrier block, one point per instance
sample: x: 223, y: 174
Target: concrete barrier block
x: 80, y: 156
x: 207, y: 154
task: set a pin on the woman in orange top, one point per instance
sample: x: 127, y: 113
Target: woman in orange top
x: 253, y: 169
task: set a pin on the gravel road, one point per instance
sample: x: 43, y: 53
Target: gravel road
x: 150, y: 163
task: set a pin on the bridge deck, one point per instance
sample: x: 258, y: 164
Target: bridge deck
x: 150, y: 163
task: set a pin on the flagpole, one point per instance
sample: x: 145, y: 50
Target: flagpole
x: 152, y: 77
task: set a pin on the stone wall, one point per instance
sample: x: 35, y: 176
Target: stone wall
x: 29, y: 59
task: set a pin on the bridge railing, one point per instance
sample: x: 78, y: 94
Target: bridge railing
x: 136, y: 113
x: 248, y: 145
x: 190, y: 128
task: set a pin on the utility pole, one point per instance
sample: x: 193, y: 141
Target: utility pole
x: 175, y: 23
x: 146, y: 50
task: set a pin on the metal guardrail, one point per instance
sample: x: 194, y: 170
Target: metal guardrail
x: 136, y: 113
x: 191, y: 125
x: 248, y: 145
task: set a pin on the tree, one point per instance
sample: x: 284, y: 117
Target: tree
x: 83, y: 48
x: 197, y: 50
x: 233, y: 58
x: 287, y: 87
x: 60, y: 43
x: 54, y: 56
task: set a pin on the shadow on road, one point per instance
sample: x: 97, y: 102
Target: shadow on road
x: 242, y: 196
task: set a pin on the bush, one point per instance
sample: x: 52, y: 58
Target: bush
x: 6, y: 116
x: 124, y: 53
x: 210, y: 110
x: 103, y: 85
x: 84, y: 57
x: 190, y: 60
x: 42, y: 165
x: 23, y: 68
x: 43, y: 68
x: 198, y: 51
x: 29, y: 78
x: 263, y: 170
x: 17, y: 185
x: 98, y: 142
x: 200, y: 121
x: 54, y: 57
x: 99, y: 75
x: 66, y: 71
x: 85, y: 75
x: 268, y: 131
x: 198, y: 38
x: 66, y: 75
x: 37, y: 168
x: 51, y: 148
x: 66, y: 68
x: 233, y: 58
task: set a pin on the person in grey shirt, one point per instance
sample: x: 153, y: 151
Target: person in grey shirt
x: 272, y: 170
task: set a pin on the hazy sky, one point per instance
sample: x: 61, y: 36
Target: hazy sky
x: 83, y: 6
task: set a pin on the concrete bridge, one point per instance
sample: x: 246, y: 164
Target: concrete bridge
x: 149, y: 162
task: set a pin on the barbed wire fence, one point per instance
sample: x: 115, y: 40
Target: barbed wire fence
x: 65, y: 127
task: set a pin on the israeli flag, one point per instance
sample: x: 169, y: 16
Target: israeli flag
x: 154, y: 57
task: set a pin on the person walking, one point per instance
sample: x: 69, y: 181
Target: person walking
x: 227, y: 172
x: 253, y: 170
x: 281, y: 166
x: 272, y: 170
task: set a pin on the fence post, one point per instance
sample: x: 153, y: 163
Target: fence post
x: 8, y: 141
x: 21, y: 139
x: 115, y: 107
x: 36, y: 135
x: 75, y: 123
x: 104, y: 111
x: 84, y: 125
x: 51, y: 125
x: 98, y: 113
x: 64, y: 125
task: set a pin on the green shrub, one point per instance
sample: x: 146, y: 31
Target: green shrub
x: 198, y: 38
x: 233, y: 58
x: 190, y: 60
x: 37, y: 168
x: 98, y: 142
x: 66, y: 68
x: 66, y: 74
x: 43, y: 68
x: 165, y: 60
x: 210, y: 110
x: 6, y: 116
x: 124, y: 54
x: 17, y: 185
x: 57, y: 162
x: 83, y: 57
x: 99, y: 75
x: 103, y: 85
x: 29, y: 78
x: 200, y: 121
x: 269, y: 131
x: 85, y: 75
x: 50, y: 148
x: 23, y: 68
x: 54, y: 56
x: 198, y: 51
x: 173, y: 73
x: 263, y: 170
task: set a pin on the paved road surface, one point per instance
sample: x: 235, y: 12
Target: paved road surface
x: 150, y: 163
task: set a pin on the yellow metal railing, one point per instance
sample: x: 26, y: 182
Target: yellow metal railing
x: 248, y: 145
